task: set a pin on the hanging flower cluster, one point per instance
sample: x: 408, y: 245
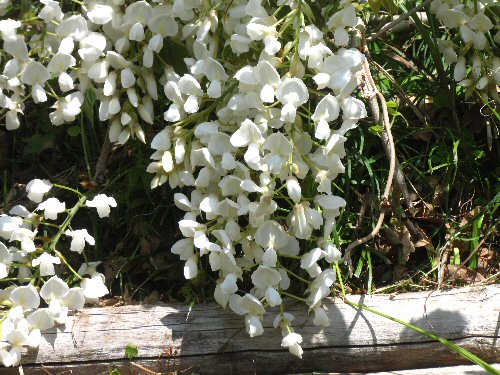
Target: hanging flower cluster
x: 27, y: 257
x: 472, y: 48
x: 253, y: 129
x: 258, y: 144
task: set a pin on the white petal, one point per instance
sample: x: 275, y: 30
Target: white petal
x: 253, y: 326
x: 54, y: 289
x: 320, y: 317
x: 229, y: 286
x: 273, y: 297
x: 191, y: 268
x: 291, y: 339
x: 293, y: 189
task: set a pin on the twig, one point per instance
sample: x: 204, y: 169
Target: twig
x: 370, y: 91
x: 442, y: 264
x: 481, y: 243
x: 401, y: 92
x: 397, y: 21
x: 400, y: 177
x: 392, y: 164
x: 145, y: 369
x: 365, y: 202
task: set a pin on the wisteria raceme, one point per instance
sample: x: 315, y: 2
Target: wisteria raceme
x: 257, y: 139
x: 476, y: 66
x: 23, y: 324
x: 251, y: 124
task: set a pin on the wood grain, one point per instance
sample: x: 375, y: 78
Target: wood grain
x: 208, y: 340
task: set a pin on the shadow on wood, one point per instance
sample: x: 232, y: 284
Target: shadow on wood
x: 209, y: 340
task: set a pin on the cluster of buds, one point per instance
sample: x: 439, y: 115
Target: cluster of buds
x: 470, y: 48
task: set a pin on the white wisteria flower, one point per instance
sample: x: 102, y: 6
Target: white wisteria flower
x: 25, y: 296
x: 292, y: 341
x: 46, y: 263
x: 266, y: 280
x: 328, y: 109
x: 25, y: 237
x: 320, y: 317
x: 66, y: 108
x: 53, y: 291
x: 292, y: 92
x: 5, y: 261
x: 94, y: 287
x: 35, y: 75
x: 9, y: 224
x: 37, y: 188
x: 51, y: 11
x: 41, y: 319
x: 102, y: 203
x: 9, y: 357
x: 79, y: 237
x: 253, y: 310
x: 51, y: 207
x: 346, y: 17
x: 61, y: 298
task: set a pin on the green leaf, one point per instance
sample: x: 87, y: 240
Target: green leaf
x: 376, y: 5
x: 115, y: 372
x: 38, y: 142
x: 73, y: 131
x: 456, y: 256
x: 173, y: 54
x: 376, y: 129
x: 88, y: 105
x: 25, y: 7
x: 361, y: 263
x: 390, y: 6
x: 131, y: 351
x: 476, y: 231
x: 308, y: 12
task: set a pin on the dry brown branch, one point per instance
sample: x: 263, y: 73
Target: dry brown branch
x: 377, y: 101
x: 397, y: 21
x: 402, y: 95
x: 392, y: 164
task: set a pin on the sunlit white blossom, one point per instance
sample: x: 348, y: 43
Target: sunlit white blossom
x: 79, y: 238
x: 102, y: 203
x: 46, y: 263
x: 51, y: 207
x: 37, y: 188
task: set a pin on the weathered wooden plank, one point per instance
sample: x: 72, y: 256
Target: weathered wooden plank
x: 453, y: 370
x: 448, y: 370
x: 209, y: 340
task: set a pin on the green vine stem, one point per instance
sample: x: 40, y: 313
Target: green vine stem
x: 454, y: 347
x: 63, y: 228
x: 457, y: 349
x: 69, y: 189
